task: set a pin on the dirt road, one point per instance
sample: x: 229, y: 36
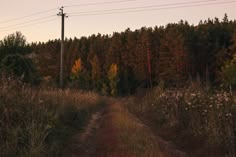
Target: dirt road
x: 114, y: 132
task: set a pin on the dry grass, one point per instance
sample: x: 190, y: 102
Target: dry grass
x: 191, y: 113
x: 36, y: 122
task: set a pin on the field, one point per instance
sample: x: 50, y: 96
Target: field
x: 193, y: 121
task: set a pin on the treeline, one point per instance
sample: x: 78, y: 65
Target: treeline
x: 173, y: 54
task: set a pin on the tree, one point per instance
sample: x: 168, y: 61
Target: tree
x: 14, y: 59
x: 229, y: 72
x: 14, y: 44
x: 113, y: 78
x: 229, y: 68
x: 77, y: 68
x: 177, y: 51
x: 173, y: 56
x: 79, y: 77
x: 96, y: 71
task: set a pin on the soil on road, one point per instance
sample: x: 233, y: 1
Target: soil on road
x: 114, y: 132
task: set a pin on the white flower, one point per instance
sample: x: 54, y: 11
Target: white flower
x: 228, y: 115
x: 226, y: 99
x: 193, y: 94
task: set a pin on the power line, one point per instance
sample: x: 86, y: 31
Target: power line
x: 100, y: 3
x: 46, y: 11
x: 30, y: 24
x: 112, y: 11
x: 26, y: 16
x: 150, y: 6
x: 144, y: 10
x: 22, y: 23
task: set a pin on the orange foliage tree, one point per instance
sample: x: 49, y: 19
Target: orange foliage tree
x: 76, y: 68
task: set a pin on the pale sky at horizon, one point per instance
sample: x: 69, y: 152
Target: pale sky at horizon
x: 78, y: 26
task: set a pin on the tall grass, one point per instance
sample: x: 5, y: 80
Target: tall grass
x: 192, y: 112
x: 37, y: 122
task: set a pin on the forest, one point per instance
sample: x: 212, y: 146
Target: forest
x: 125, y: 62
x: 175, y: 54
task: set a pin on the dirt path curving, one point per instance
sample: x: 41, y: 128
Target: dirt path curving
x: 115, y: 132
x: 83, y: 144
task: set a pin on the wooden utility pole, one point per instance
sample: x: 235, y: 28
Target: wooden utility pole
x: 149, y: 67
x: 63, y: 15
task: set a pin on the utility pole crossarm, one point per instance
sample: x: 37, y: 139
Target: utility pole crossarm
x: 63, y: 15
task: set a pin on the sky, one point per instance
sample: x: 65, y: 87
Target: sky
x: 37, y: 20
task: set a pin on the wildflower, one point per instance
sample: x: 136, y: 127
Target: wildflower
x: 40, y: 101
x: 193, y: 94
x: 228, y: 115
x: 226, y: 99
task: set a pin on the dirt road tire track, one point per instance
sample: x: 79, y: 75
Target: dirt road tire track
x: 83, y: 144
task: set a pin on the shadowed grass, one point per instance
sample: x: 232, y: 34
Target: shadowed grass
x: 37, y: 122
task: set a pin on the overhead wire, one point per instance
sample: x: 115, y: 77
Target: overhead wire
x: 26, y: 16
x: 147, y: 9
x: 99, y: 3
x: 49, y: 10
x: 30, y: 24
x: 46, y: 11
x: 149, y: 6
x: 112, y: 11
x: 22, y: 23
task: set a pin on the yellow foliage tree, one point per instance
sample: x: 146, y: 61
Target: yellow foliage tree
x: 113, y: 78
x: 77, y: 67
x: 113, y: 70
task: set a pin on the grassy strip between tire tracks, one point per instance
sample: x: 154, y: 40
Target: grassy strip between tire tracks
x: 122, y: 135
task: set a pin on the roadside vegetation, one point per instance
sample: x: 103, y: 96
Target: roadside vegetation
x: 38, y: 122
x: 198, y: 120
